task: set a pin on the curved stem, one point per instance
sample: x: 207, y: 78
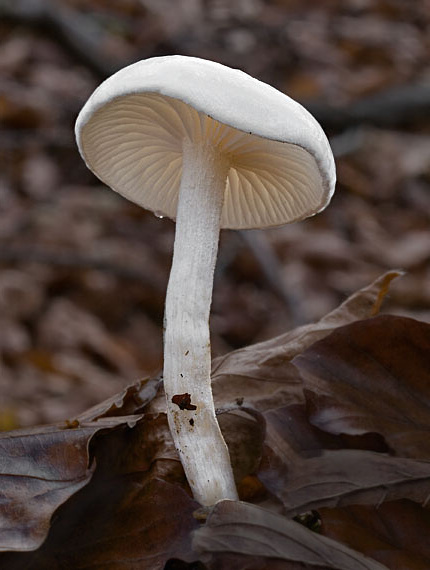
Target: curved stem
x: 187, y: 354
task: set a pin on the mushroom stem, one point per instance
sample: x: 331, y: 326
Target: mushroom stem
x: 187, y: 353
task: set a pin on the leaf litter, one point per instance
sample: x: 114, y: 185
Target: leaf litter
x: 302, y: 420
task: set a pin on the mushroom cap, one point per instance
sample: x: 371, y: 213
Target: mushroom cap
x: 131, y: 132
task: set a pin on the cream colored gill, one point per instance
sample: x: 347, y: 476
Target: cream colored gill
x: 134, y: 144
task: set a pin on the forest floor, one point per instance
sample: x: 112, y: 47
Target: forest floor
x: 84, y: 272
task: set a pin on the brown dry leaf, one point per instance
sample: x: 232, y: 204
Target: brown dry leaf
x: 21, y: 111
x: 360, y: 435
x: 66, y: 326
x: 338, y: 477
x: 21, y: 296
x: 240, y: 373
x: 396, y: 534
x: 244, y: 433
x: 136, y: 512
x: 131, y: 399
x: 241, y: 528
x: 408, y: 251
x: 372, y: 377
x: 133, y: 510
x: 40, y: 469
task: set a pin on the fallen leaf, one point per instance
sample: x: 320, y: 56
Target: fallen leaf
x: 345, y: 476
x: 40, y: 469
x: 372, y: 377
x: 136, y: 511
x: 241, y: 372
x: 241, y: 528
x: 395, y: 534
x: 129, y: 401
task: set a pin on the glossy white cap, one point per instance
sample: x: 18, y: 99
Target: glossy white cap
x: 131, y: 132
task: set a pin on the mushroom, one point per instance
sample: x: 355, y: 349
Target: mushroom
x: 213, y: 148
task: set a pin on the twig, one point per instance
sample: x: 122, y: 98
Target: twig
x: 80, y: 35
x: 395, y: 107
x: 73, y: 260
x: 263, y: 252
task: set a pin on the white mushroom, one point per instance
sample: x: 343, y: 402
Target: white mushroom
x: 212, y: 148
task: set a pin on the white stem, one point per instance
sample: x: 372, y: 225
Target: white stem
x: 187, y: 353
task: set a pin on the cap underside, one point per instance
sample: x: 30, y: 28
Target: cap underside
x: 134, y: 145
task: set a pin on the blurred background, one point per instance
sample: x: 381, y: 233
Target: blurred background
x: 83, y: 272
